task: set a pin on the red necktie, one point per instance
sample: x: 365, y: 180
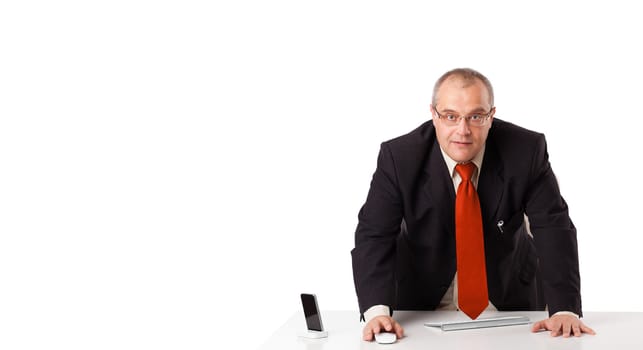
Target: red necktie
x: 473, y: 297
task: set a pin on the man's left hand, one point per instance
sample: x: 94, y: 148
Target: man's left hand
x: 565, y: 325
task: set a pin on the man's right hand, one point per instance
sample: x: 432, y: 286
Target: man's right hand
x: 382, y: 324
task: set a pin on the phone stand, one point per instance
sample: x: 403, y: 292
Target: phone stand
x: 313, y: 334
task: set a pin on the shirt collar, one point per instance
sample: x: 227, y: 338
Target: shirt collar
x: 477, y: 160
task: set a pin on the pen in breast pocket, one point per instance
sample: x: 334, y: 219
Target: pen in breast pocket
x: 500, y: 224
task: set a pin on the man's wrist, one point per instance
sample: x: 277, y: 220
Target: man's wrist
x: 569, y: 313
x: 376, y: 310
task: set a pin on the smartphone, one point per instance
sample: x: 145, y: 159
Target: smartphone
x: 311, y: 312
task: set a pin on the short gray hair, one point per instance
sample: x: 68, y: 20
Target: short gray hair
x: 466, y: 74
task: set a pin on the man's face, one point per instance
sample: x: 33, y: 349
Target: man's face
x: 461, y: 98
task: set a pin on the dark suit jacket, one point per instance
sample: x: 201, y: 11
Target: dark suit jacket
x: 404, y: 254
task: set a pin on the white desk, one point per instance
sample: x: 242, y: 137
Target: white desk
x: 615, y: 331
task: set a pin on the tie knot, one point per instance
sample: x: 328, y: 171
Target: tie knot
x: 465, y: 170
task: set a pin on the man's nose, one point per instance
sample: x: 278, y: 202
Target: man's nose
x: 463, y: 127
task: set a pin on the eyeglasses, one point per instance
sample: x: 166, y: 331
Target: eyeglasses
x: 476, y: 119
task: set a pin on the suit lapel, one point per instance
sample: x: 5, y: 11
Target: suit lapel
x: 439, y: 187
x: 491, y: 181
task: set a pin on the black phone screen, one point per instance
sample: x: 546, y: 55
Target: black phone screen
x: 313, y: 320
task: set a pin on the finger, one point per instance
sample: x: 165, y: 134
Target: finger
x: 567, y: 329
x: 537, y: 326
x: 367, y: 333
x: 576, y: 329
x: 587, y: 330
x: 399, y: 331
x: 370, y: 329
x: 386, y: 325
x: 555, y: 327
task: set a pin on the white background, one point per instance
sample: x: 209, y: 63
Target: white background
x: 174, y: 171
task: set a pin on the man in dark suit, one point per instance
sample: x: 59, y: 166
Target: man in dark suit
x: 405, y: 243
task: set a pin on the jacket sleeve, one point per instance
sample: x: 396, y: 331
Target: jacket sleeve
x: 379, y: 224
x: 554, y: 236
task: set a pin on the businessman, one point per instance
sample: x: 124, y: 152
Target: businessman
x: 464, y: 213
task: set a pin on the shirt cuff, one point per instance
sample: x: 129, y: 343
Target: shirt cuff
x: 566, y: 313
x: 376, y: 310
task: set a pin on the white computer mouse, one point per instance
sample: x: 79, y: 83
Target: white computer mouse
x: 385, y: 338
